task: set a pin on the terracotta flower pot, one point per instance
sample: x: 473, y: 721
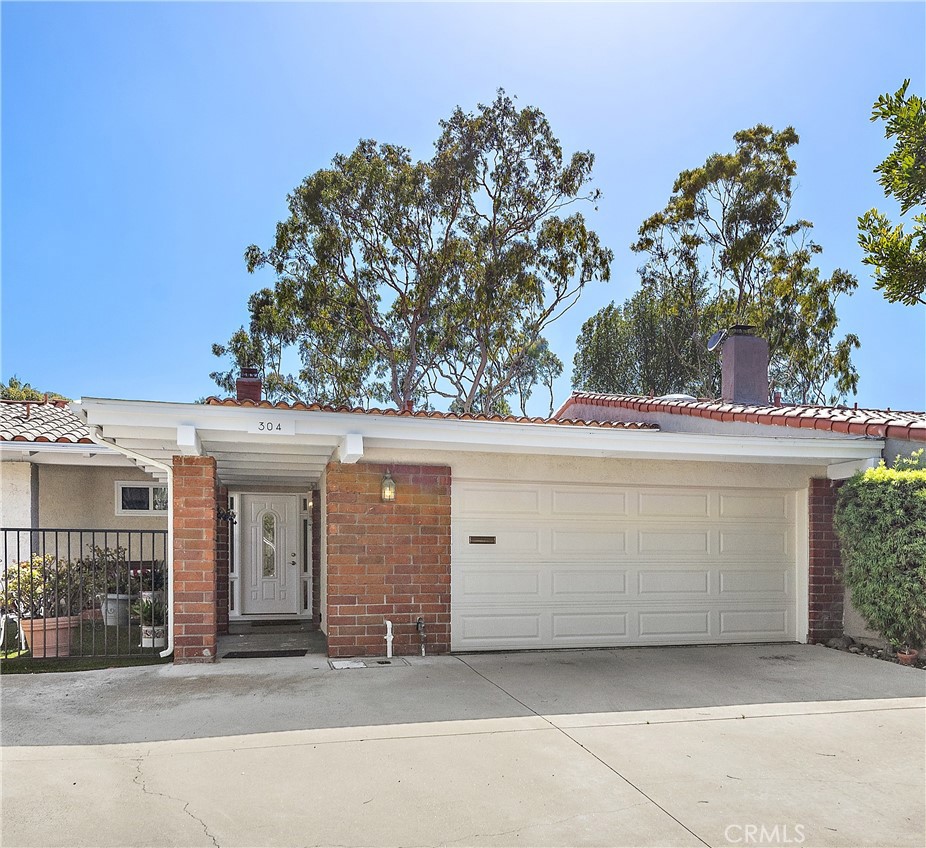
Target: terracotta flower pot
x: 49, y: 637
x: 908, y: 657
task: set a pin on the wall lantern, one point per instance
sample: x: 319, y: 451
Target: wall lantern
x: 387, y: 490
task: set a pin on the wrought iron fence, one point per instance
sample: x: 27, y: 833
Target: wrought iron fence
x: 82, y: 593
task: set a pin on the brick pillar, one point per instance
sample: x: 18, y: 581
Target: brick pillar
x: 223, y: 529
x: 194, y: 613
x: 317, y: 531
x: 824, y: 581
x: 387, y: 560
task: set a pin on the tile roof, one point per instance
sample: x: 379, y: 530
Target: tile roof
x: 445, y: 416
x: 39, y: 421
x: 879, y: 423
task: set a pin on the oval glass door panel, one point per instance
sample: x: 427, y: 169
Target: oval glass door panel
x: 268, y: 546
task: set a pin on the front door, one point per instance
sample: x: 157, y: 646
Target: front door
x: 270, y: 566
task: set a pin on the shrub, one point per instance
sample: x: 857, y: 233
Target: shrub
x: 881, y: 525
x: 107, y: 570
x: 41, y: 587
x: 150, y: 611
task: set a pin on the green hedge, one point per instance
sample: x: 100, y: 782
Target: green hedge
x: 881, y: 525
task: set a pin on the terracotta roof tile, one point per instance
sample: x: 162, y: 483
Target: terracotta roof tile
x: 36, y: 421
x: 446, y: 416
x: 879, y: 423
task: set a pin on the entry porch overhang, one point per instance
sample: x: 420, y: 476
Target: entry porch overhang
x: 268, y: 445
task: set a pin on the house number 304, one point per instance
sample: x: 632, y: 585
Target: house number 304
x: 273, y: 426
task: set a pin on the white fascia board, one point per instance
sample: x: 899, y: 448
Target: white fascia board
x: 62, y: 448
x: 230, y: 425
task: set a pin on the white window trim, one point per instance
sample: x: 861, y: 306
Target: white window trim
x: 138, y: 484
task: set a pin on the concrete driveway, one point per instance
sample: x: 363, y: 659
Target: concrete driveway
x: 764, y: 745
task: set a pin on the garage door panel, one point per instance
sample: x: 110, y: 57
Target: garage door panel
x: 501, y: 585
x: 755, y: 623
x: 675, y: 623
x: 507, y: 540
x: 598, y: 566
x: 589, y: 627
x: 676, y: 542
x: 495, y: 627
x: 673, y: 581
x: 594, y: 541
x: 673, y: 505
x: 756, y: 542
x: 494, y: 499
x: 586, y: 503
x: 753, y: 581
x: 769, y: 507
x: 591, y: 584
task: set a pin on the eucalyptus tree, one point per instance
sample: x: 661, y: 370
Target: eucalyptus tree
x: 413, y: 281
x: 724, y: 251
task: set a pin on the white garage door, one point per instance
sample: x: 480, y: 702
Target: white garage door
x: 545, y: 565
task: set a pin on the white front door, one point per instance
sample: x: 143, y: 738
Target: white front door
x: 270, y: 569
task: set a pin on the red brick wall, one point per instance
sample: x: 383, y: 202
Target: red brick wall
x: 825, y: 584
x: 221, y: 562
x: 387, y: 560
x: 194, y: 613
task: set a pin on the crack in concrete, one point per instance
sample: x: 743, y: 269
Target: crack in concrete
x: 587, y: 750
x: 542, y: 824
x: 139, y: 781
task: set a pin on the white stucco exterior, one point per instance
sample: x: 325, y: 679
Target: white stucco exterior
x: 83, y: 497
x: 15, y: 494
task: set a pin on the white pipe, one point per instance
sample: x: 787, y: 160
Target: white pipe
x: 388, y: 639
x: 97, y: 437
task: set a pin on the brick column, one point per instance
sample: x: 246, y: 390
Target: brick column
x: 194, y: 613
x: 824, y: 580
x: 387, y: 560
x: 223, y: 529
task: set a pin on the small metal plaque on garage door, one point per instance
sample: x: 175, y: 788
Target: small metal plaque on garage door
x: 482, y: 540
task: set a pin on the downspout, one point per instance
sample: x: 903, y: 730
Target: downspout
x: 97, y: 437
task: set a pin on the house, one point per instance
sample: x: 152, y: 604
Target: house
x: 619, y: 521
x: 54, y: 475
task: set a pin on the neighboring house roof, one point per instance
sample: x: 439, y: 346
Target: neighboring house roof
x: 878, y: 423
x: 447, y: 416
x: 40, y: 421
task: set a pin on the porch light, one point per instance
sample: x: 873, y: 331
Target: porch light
x: 387, y: 490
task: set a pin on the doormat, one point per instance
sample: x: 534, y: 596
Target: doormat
x: 259, y: 655
x: 287, y: 623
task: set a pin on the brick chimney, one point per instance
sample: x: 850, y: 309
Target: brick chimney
x: 248, y: 386
x: 744, y: 367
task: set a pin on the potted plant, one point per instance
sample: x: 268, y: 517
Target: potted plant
x: 153, y: 617
x: 880, y: 521
x: 44, y: 594
x: 108, y: 570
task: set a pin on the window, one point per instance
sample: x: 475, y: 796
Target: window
x: 138, y: 498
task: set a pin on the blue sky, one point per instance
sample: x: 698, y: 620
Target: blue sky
x: 144, y: 146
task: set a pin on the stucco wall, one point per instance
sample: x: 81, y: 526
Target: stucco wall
x: 83, y: 497
x: 15, y: 494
